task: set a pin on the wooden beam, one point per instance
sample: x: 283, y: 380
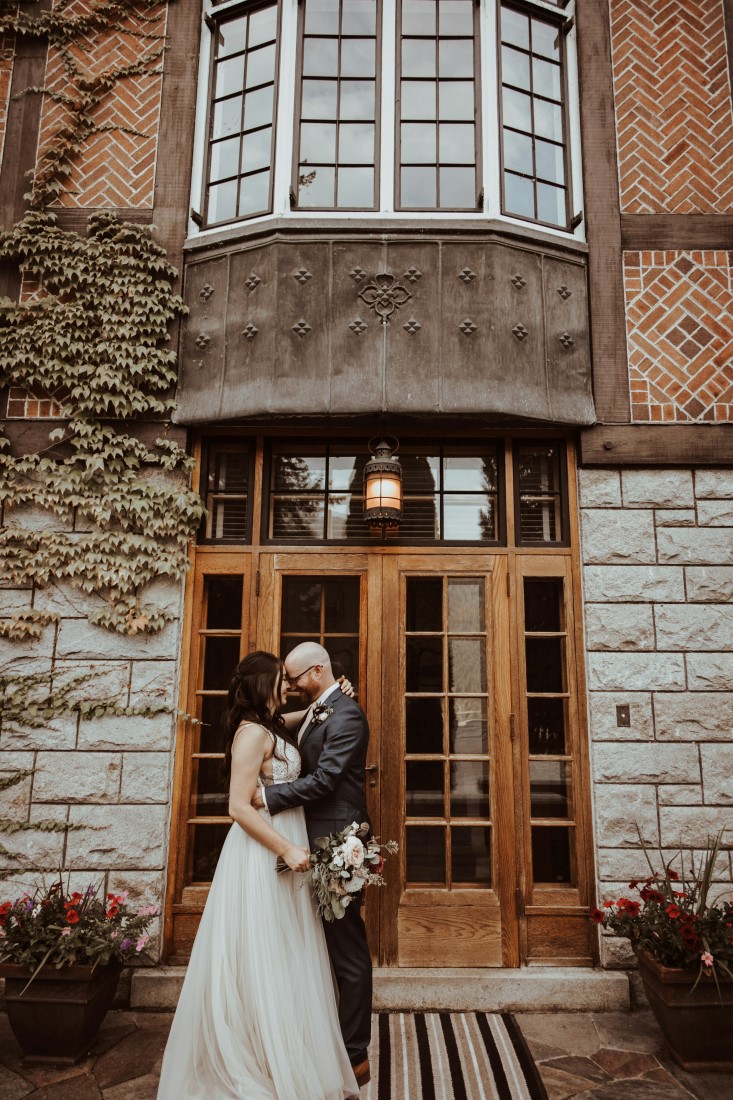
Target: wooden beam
x: 657, y: 445
x: 676, y: 231
x: 75, y: 220
x: 602, y: 213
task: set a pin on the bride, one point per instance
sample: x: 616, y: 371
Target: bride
x: 257, y: 1016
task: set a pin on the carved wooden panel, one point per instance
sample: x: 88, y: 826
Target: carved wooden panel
x: 357, y: 326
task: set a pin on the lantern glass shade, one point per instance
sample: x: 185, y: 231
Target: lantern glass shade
x: 383, y: 488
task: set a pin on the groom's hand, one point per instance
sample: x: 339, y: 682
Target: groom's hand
x: 258, y: 801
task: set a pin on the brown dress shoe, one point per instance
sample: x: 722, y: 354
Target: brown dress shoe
x: 362, y: 1073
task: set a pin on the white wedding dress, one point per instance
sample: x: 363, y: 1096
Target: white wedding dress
x: 257, y: 1016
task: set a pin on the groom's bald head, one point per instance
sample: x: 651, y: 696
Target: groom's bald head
x: 308, y: 669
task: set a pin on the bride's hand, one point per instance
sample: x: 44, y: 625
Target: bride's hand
x: 346, y: 686
x: 297, y: 858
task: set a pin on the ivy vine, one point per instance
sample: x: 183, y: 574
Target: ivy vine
x: 89, y: 330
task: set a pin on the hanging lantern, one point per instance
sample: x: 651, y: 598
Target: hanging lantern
x: 383, y: 485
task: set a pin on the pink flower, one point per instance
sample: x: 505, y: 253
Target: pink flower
x: 141, y: 942
x: 65, y: 931
x: 123, y: 896
x: 706, y: 959
x: 147, y: 910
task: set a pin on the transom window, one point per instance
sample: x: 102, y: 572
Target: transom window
x: 388, y: 106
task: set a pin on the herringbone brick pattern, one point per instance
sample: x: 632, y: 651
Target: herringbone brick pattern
x: 673, y: 106
x: 115, y: 169
x: 680, y: 338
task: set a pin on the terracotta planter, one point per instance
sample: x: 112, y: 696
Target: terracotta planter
x: 697, y: 1025
x: 59, y: 1014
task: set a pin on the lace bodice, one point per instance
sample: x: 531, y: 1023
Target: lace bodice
x: 283, y: 771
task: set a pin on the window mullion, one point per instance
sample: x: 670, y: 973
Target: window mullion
x: 388, y: 105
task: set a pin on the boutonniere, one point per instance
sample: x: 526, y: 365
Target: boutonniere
x: 321, y: 712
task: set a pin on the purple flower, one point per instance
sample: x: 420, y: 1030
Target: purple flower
x: 126, y: 944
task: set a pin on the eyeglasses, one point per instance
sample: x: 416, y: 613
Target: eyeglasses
x: 300, y: 676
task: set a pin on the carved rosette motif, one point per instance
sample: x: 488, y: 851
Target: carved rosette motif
x: 385, y: 295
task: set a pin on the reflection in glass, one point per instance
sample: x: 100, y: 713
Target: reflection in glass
x: 256, y: 149
x: 357, y: 57
x: 212, y: 736
x: 297, y: 518
x: 546, y: 721
x: 514, y: 27
x: 457, y: 188
x: 227, y: 117
x: 551, y: 204
x: 543, y: 604
x: 221, y: 658
x: 356, y: 143
x: 518, y: 152
x: 549, y: 788
x: 260, y: 66
x: 224, y: 603
x: 344, y: 654
x: 456, y: 143
x: 469, y: 788
x: 424, y: 726
x: 418, y: 187
x: 518, y: 196
x: 317, y: 142
x: 420, y: 472
x: 231, y: 36
x: 418, y: 99
x: 357, y: 99
x: 320, y: 57
x: 456, y: 17
x: 359, y: 17
x: 224, y: 158
x: 540, y: 504
x: 424, y: 604
x: 515, y: 68
x: 424, y: 659
x: 455, y: 58
x: 466, y: 665
x: 223, y: 201
x: 208, y: 841
x: 545, y: 664
x: 258, y: 108
x: 262, y: 26
x: 468, y: 729
x: 298, y: 471
x: 471, y: 855
x: 418, y: 16
x: 301, y: 605
x: 211, y: 787
x: 424, y: 788
x: 229, y: 76
x: 341, y: 605
x: 465, y: 604
x: 469, y: 473
x: 254, y: 194
x: 319, y: 98
x: 322, y: 17
x: 425, y: 854
x: 553, y: 854
x: 418, y: 58
x: 418, y: 142
x: 456, y: 99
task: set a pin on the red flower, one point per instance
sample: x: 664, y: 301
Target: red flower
x: 672, y: 911
x: 648, y: 894
x: 112, y: 911
x: 610, y: 904
x: 633, y: 884
x: 597, y: 915
x: 672, y: 874
x: 72, y: 917
x: 378, y: 866
x: 626, y: 905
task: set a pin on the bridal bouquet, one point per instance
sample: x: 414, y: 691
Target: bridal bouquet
x: 342, y: 864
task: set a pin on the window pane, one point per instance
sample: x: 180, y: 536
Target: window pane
x: 316, y: 186
x: 518, y: 195
x: 299, y: 518
x: 466, y: 665
x: 546, y: 721
x: 257, y: 149
x: 221, y: 657
x: 469, y: 473
x: 455, y: 17
x: 549, y: 788
x: 345, y: 471
x: 551, y: 204
x: 358, y: 57
x: 211, y: 797
x: 469, y: 518
x: 207, y: 844
x: 456, y: 143
x: 418, y: 57
x: 420, y: 518
x: 222, y: 201
x: 424, y: 726
x: 418, y: 143
x: 424, y: 605
x: 514, y: 28
x: 550, y: 162
x: 231, y: 36
x: 254, y: 194
x: 224, y: 603
x: 224, y: 159
x: 227, y: 117
x: 546, y: 79
x: 212, y: 736
x: 258, y: 108
x: 546, y: 39
x: 261, y: 66
x: 341, y: 605
x: 318, y: 142
x: 420, y: 472
x: 418, y: 99
x: 320, y: 57
x: 468, y: 729
x: 553, y: 854
x: 456, y: 99
x: 517, y: 109
x: 547, y: 120
x: 262, y: 26
x: 471, y: 855
x: 425, y: 854
x: 322, y: 17
x: 424, y: 659
x: 319, y: 98
x: 424, y: 788
x: 543, y: 605
x: 418, y: 188
x: 298, y: 471
x: 227, y: 519
x: 469, y: 788
x: 545, y: 664
x: 359, y: 17
x: 518, y: 152
x: 301, y: 605
x: 418, y: 16
x: 515, y: 68
x: 229, y: 76
x: 346, y: 514
x: 355, y: 187
x: 357, y: 99
x: 356, y: 143
x: 455, y: 58
x: 465, y: 605
x: 540, y: 509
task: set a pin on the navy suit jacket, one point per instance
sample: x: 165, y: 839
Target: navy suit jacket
x: 330, y: 787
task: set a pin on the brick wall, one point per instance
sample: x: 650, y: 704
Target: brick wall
x: 657, y: 551
x: 673, y: 106
x: 680, y: 341
x: 7, y: 46
x: 111, y: 773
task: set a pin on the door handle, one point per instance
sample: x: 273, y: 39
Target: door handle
x: 374, y: 769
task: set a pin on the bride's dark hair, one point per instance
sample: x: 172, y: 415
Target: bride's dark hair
x: 254, y: 686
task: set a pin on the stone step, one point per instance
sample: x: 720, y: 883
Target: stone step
x: 527, y: 989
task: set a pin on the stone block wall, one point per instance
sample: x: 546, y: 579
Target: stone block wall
x: 113, y: 774
x: 657, y: 554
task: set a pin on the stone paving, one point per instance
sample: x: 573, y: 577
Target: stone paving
x: 591, y: 1056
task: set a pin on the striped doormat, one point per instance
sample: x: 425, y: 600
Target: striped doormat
x: 450, y: 1056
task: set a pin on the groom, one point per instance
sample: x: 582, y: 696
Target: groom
x: 333, y: 739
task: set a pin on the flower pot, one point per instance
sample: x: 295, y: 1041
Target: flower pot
x: 57, y: 1017
x: 697, y: 1024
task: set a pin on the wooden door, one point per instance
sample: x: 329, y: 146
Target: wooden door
x: 333, y: 599
x: 447, y: 787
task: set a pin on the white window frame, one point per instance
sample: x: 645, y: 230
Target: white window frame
x: 490, y: 124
